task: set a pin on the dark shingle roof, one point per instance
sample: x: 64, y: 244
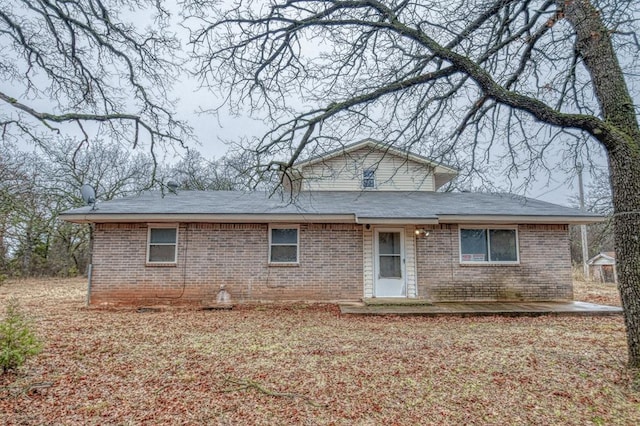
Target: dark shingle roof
x: 384, y: 205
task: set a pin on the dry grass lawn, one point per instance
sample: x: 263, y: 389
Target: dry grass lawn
x: 307, y: 365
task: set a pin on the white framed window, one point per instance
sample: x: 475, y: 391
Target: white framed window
x: 284, y: 244
x: 489, y: 245
x: 162, y: 244
x: 369, y: 178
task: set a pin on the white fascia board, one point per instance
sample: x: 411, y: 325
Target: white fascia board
x: 209, y: 218
x: 324, y: 218
x: 597, y: 257
x: 506, y: 219
x: 396, y: 221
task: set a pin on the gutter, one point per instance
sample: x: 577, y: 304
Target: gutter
x: 397, y: 221
x: 208, y: 218
x: 326, y: 218
x: 520, y: 219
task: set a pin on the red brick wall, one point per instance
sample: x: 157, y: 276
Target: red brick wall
x: 232, y: 254
x: 544, y: 272
x: 330, y: 266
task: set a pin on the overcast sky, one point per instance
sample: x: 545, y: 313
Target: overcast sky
x: 213, y: 130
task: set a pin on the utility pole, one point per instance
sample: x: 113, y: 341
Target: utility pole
x: 583, y: 228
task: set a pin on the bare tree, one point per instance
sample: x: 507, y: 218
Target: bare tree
x: 41, y: 184
x: 12, y: 182
x: 597, y: 200
x: 109, y: 167
x: 25, y: 215
x: 67, y: 64
x: 520, y: 81
x: 194, y: 172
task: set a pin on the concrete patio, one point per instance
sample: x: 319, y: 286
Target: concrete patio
x: 423, y: 308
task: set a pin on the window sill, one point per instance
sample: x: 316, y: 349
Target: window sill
x: 284, y: 264
x: 489, y: 263
x: 161, y: 264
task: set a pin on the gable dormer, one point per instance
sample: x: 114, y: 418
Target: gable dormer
x: 371, y: 165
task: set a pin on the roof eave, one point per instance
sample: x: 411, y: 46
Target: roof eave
x: 208, y: 218
x: 97, y: 217
x: 397, y: 221
x: 519, y: 219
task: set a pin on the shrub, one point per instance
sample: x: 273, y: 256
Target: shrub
x: 17, y: 338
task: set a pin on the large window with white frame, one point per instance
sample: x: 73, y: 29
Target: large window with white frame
x: 162, y: 244
x: 284, y: 244
x: 492, y: 245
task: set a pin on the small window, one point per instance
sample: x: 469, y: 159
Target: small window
x: 489, y: 245
x: 162, y: 245
x: 368, y: 178
x: 283, y: 244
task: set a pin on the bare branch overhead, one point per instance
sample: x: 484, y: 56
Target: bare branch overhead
x: 417, y: 73
x: 78, y: 61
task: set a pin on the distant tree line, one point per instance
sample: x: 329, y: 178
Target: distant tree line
x: 36, y: 186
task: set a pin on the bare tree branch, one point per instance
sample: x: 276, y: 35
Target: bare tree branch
x: 87, y: 61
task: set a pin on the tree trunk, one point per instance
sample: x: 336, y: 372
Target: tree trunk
x: 27, y: 251
x: 625, y: 175
x: 621, y: 139
x: 3, y: 248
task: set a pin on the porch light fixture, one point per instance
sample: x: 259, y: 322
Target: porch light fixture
x: 421, y: 232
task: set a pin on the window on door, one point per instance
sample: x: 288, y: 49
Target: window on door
x: 389, y: 253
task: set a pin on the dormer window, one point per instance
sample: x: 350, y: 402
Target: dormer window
x: 369, y: 178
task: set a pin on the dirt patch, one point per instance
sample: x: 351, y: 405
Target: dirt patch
x: 304, y: 364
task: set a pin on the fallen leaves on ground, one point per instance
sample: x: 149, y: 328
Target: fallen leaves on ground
x: 302, y: 364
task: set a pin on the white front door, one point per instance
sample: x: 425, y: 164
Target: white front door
x: 390, y: 277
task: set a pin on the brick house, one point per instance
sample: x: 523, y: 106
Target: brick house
x: 366, y: 222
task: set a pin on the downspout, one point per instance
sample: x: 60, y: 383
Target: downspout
x: 90, y: 267
x: 415, y: 262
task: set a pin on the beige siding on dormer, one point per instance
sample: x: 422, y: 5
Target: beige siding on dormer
x: 344, y: 173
